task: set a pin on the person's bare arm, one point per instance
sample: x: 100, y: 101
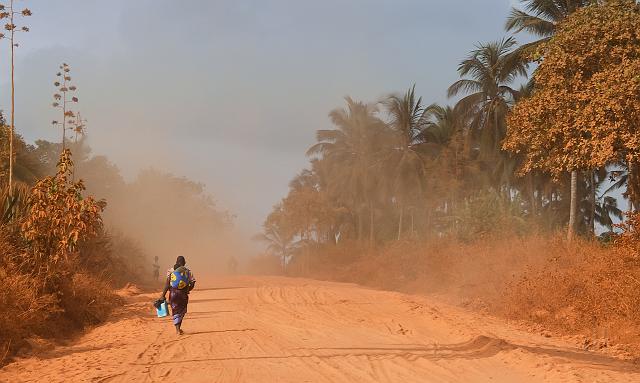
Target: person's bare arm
x: 192, y: 282
x: 166, y: 288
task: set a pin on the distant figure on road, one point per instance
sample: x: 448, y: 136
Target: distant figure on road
x: 179, y: 283
x: 156, y: 269
x: 232, y: 265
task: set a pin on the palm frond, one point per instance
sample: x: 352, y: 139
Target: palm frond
x: 520, y: 21
x: 464, y: 86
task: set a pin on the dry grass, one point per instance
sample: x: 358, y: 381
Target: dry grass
x: 582, y: 289
x: 24, y: 309
x: 86, y: 300
x: 45, y: 305
x: 24, y: 312
x: 115, y: 258
x: 464, y: 270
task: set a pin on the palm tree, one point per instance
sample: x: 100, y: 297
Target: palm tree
x: 540, y: 18
x: 487, y: 75
x: 606, y: 207
x: 280, y: 242
x: 352, y: 152
x: 305, y: 179
x: 446, y: 146
x: 445, y: 130
x: 440, y: 125
x: 407, y: 165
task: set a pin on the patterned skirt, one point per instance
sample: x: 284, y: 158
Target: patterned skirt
x: 179, y: 301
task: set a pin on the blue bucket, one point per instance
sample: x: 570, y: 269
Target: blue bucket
x: 162, y: 310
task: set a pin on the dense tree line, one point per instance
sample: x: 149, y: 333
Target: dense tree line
x: 164, y: 213
x: 513, y: 153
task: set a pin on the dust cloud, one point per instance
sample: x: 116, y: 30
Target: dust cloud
x: 167, y: 215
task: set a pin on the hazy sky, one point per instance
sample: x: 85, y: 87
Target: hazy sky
x: 230, y: 93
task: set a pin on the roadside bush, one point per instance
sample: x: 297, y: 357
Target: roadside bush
x: 86, y: 300
x: 585, y: 288
x: 59, y: 218
x: 25, y: 309
x: 488, y: 214
x: 58, y: 267
x: 115, y: 258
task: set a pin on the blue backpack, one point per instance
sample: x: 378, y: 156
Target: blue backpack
x: 179, y: 278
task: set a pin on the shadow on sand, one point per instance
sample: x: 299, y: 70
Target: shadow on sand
x: 219, y: 331
x: 220, y: 288
x: 209, y: 300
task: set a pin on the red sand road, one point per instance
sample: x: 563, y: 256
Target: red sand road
x: 248, y: 329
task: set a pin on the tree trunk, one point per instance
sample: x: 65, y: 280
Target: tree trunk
x: 11, y: 160
x: 430, y: 230
x: 540, y: 197
x: 633, y: 186
x: 284, y: 263
x: 412, y: 224
x: 371, y: 225
x: 359, y: 224
x: 532, y: 195
x: 592, y: 200
x: 400, y: 221
x: 305, y: 253
x: 573, y: 210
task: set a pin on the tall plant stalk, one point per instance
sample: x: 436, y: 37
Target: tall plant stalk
x: 61, y: 100
x: 12, y: 28
x: 79, y: 125
x: 13, y: 99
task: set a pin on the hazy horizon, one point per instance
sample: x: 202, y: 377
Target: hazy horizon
x: 230, y: 94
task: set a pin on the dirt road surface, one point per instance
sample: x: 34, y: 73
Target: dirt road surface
x: 294, y: 330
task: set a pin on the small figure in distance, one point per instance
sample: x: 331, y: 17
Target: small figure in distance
x: 179, y: 283
x: 156, y: 269
x: 232, y: 265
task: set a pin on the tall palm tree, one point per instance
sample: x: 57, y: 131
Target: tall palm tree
x: 406, y: 163
x: 280, y: 242
x: 352, y: 152
x: 487, y: 76
x: 540, y: 18
x: 446, y: 130
x: 446, y: 145
x: 305, y: 179
x: 440, y: 124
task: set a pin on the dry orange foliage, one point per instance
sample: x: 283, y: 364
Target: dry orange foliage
x: 59, y: 216
x: 585, y: 110
x: 628, y: 242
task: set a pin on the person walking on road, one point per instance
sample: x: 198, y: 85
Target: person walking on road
x: 179, y: 283
x: 156, y: 269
